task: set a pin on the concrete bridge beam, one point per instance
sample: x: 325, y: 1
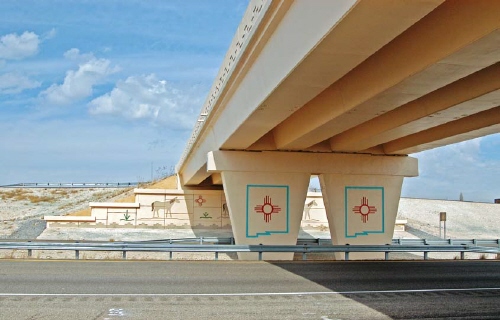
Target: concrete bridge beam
x: 453, y: 41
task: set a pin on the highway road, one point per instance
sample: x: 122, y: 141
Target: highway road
x: 249, y: 290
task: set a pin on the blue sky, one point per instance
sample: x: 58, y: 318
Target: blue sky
x: 105, y: 91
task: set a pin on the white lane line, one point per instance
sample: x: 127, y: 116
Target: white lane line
x: 239, y: 293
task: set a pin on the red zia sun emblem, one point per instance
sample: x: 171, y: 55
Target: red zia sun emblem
x: 364, y: 209
x: 267, y: 209
x: 200, y: 201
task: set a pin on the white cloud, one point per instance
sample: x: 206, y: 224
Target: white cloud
x: 75, y: 55
x: 79, y: 84
x: 16, y: 47
x: 145, y: 97
x: 15, y: 83
x: 49, y: 35
x: 467, y: 151
x: 446, y: 172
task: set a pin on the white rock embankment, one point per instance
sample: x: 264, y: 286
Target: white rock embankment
x: 464, y: 220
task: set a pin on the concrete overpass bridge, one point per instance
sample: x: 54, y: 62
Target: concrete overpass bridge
x: 344, y: 90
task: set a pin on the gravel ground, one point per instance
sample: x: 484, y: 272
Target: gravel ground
x: 29, y: 229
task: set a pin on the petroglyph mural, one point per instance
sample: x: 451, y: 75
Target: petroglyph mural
x: 207, y: 210
x: 165, y: 205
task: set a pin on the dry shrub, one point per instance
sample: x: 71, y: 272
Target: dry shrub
x: 66, y: 206
x: 101, y: 194
x: 25, y: 195
x: 38, y: 199
x: 16, y: 195
x: 60, y: 192
x: 167, y: 183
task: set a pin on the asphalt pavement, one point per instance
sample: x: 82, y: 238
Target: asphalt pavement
x: 249, y: 290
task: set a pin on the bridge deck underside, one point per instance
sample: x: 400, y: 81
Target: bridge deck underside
x: 379, y: 77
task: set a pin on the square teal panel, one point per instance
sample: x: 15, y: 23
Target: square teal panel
x: 267, y: 210
x: 364, y: 211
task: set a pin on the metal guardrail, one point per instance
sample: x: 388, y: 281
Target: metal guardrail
x: 305, y: 249
x: 72, y: 185
x: 442, y: 242
x: 327, y: 241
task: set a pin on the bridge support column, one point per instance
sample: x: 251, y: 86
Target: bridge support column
x: 266, y: 192
x: 362, y: 208
x: 265, y: 204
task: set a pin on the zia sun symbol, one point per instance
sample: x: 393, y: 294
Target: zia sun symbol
x: 200, y: 201
x: 267, y: 209
x: 364, y: 209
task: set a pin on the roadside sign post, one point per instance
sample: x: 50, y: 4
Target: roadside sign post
x: 442, y: 218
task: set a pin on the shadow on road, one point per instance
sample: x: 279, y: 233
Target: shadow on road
x: 403, y: 290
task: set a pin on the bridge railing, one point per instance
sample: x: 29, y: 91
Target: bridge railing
x: 251, y: 19
x: 72, y: 185
x: 305, y: 249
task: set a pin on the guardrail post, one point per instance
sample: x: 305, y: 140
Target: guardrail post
x: 201, y: 240
x: 346, y: 253
x: 304, y: 252
x: 216, y: 255
x: 77, y: 252
x: 387, y: 255
x: 462, y: 255
x: 124, y: 255
x: 260, y: 253
x: 170, y: 254
x: 426, y: 255
x: 29, y: 252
